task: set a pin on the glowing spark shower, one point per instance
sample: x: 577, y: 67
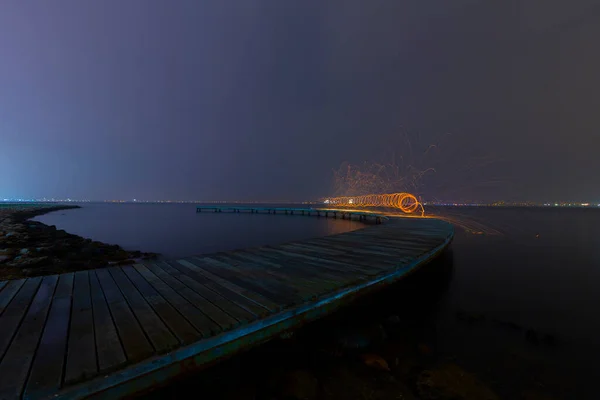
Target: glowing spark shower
x: 405, y: 202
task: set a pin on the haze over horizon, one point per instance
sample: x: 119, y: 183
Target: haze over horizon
x: 258, y: 100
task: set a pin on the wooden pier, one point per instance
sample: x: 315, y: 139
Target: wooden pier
x: 111, y: 332
x: 317, y: 212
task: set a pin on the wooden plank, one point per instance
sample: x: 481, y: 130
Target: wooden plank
x: 254, y: 278
x: 14, y: 312
x: 257, y: 303
x: 293, y: 286
x: 317, y: 257
x: 414, y: 236
x: 135, y: 343
x: 309, y: 259
x: 182, y: 329
x: 370, y: 262
x: 47, y: 370
x: 169, y: 276
x: 310, y: 250
x: 228, y: 270
x: 359, y: 248
x: 15, y: 365
x: 356, y: 247
x: 299, y: 267
x: 161, y: 338
x: 81, y: 348
x: 298, y: 270
x: 402, y: 243
x: 293, y: 269
x: 11, y: 288
x: 225, y: 304
x: 384, y: 256
x: 412, y: 240
x: 201, y: 322
x: 108, y: 346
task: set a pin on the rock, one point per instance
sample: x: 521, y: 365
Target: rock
x: 425, y: 349
x: 392, y: 320
x: 549, y: 339
x: 361, y: 338
x: 532, y: 336
x: 375, y: 361
x: 470, y: 318
x: 24, y: 251
x: 246, y: 392
x: 535, y: 395
x: 10, y: 234
x: 299, y: 385
x: 401, y: 356
x: 4, y: 259
x: 508, y: 324
x: 342, y: 381
x: 286, y: 335
x: 28, y: 262
x: 125, y: 262
x: 449, y: 381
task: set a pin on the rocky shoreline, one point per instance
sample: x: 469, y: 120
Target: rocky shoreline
x: 30, y: 248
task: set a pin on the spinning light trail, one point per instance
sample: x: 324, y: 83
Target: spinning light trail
x: 406, y: 202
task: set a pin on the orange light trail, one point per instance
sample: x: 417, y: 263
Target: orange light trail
x: 405, y: 202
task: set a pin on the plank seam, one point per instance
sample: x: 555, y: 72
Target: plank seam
x: 217, y: 293
x: 185, y: 298
x: 93, y: 321
x: 112, y: 318
x: 64, y: 363
x: 12, y: 337
x: 132, y: 313
x: 37, y: 345
x: 174, y: 306
x: 11, y: 299
x: 207, y: 288
x: 231, y: 290
x: 154, y: 309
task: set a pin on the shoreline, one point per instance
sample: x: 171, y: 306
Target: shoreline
x: 30, y: 248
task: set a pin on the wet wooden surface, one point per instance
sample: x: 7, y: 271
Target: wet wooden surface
x: 89, y: 332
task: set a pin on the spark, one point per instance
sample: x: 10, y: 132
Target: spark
x: 406, y: 202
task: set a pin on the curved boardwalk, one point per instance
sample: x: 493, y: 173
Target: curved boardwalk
x: 111, y: 332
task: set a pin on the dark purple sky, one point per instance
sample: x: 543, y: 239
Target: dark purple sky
x: 250, y: 99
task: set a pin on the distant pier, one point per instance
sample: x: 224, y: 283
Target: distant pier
x: 317, y: 212
x: 112, y: 332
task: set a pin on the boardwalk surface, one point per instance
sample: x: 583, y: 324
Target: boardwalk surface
x: 110, y: 332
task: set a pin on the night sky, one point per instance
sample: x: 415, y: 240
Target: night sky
x: 258, y: 100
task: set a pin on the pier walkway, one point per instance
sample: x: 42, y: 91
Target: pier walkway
x: 318, y: 212
x: 112, y: 332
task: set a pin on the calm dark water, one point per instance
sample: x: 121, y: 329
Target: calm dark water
x: 540, y: 272
x: 176, y: 230
x: 529, y: 277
